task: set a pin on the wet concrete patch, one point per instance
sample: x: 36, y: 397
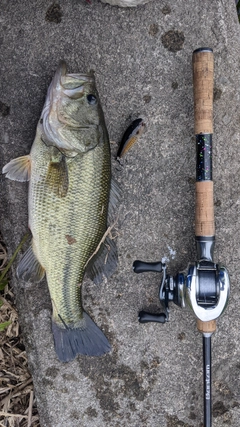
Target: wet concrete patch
x: 219, y: 409
x: 166, y: 10
x: 153, y: 29
x: 91, y: 412
x: 147, y: 99
x: 173, y: 40
x: 54, y: 13
x: 217, y: 93
x: 173, y: 421
x: 114, y: 382
x: 4, y: 109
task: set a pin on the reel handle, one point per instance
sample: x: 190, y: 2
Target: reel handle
x: 203, y: 67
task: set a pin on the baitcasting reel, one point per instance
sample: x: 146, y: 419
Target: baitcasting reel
x: 205, y: 289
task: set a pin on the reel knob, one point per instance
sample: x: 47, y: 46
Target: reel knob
x: 145, y: 317
x: 142, y: 267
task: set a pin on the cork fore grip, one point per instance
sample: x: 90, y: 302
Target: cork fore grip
x: 204, y: 213
x: 203, y: 90
x: 206, y: 327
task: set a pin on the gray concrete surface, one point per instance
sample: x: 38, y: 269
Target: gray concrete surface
x: 142, y: 59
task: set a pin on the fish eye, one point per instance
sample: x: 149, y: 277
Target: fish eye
x: 92, y: 100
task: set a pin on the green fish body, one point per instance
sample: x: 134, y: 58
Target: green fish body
x: 69, y: 172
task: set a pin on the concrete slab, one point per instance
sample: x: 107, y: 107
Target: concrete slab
x: 142, y: 59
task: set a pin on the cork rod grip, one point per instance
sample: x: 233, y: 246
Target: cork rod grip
x: 203, y: 90
x: 204, y: 213
x: 206, y: 327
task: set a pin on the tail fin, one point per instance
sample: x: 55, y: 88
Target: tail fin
x: 88, y: 340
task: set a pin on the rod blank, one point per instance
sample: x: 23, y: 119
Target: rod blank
x: 207, y: 380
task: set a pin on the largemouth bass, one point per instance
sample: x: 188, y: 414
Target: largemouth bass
x: 70, y: 198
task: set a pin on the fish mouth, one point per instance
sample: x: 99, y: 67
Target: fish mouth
x: 73, y: 80
x: 58, y: 128
x: 72, y: 85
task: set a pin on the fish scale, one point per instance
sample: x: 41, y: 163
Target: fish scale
x: 87, y: 194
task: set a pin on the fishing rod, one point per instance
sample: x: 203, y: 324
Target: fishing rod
x: 205, y: 285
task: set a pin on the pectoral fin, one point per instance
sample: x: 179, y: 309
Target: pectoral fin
x: 18, y: 169
x: 29, y: 268
x: 57, y: 177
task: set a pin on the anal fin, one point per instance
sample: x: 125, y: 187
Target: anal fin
x: 29, y: 268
